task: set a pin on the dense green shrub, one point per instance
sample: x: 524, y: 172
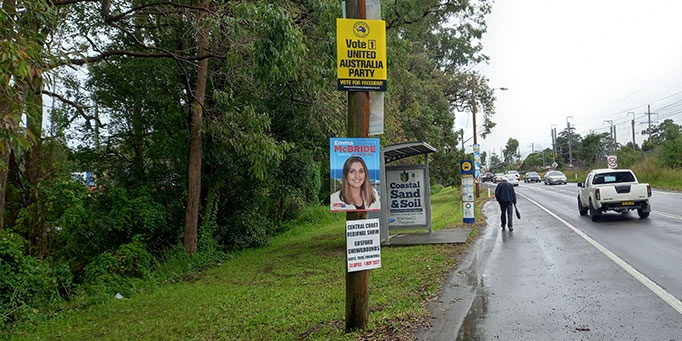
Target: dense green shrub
x: 28, y: 286
x: 435, y: 188
x: 298, y: 182
x: 628, y: 156
x: 244, y: 229
x: 110, y: 218
x: 131, y: 260
x: 121, y: 272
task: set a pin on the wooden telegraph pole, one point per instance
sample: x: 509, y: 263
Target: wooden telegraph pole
x: 357, y: 282
x: 477, y: 193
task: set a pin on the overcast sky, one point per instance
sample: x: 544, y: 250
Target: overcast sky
x: 582, y: 61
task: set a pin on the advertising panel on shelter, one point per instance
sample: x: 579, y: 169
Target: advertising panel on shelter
x: 406, y: 204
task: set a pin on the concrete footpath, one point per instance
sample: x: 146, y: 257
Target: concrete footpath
x: 443, y: 236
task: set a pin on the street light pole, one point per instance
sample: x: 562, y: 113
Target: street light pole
x: 570, y: 147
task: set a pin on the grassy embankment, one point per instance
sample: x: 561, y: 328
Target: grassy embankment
x: 292, y: 289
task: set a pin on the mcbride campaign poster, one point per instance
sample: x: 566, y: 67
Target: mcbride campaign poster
x: 355, y: 174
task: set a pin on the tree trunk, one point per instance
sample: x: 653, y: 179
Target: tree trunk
x: 34, y: 170
x: 7, y: 122
x: 4, y: 165
x: 5, y: 150
x: 195, y: 150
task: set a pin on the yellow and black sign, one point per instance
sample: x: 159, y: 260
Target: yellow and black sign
x: 361, y: 54
x: 467, y: 167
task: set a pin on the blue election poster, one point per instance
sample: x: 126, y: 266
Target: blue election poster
x: 355, y: 174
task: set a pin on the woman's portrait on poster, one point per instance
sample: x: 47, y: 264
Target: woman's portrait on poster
x: 357, y: 193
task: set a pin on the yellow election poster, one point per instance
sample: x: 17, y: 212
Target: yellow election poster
x: 361, y: 54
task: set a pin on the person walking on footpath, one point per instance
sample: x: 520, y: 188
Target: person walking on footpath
x: 506, y: 197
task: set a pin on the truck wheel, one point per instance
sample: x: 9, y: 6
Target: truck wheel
x: 581, y: 209
x: 642, y: 214
x: 594, y: 213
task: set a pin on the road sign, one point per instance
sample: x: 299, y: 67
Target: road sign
x: 467, y: 167
x: 612, y: 161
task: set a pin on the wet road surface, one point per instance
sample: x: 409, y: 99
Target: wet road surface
x: 548, y: 281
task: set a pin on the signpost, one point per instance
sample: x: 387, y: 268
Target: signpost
x: 468, y: 213
x: 477, y: 167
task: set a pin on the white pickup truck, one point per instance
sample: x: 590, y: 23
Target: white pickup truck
x: 613, y: 190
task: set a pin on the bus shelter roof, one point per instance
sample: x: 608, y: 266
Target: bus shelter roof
x: 406, y: 149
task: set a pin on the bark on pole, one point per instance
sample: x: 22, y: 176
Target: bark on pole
x: 357, y: 283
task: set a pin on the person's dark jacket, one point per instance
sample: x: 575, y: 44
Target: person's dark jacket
x: 505, y: 192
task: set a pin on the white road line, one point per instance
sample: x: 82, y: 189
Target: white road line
x: 660, y: 292
x: 674, y: 216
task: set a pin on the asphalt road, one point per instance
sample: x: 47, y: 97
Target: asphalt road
x: 560, y: 276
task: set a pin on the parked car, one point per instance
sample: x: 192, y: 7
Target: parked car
x: 532, y: 177
x: 512, y: 179
x: 498, y: 177
x: 555, y: 177
x: 488, y: 177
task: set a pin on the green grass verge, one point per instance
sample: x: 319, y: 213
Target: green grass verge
x: 292, y: 289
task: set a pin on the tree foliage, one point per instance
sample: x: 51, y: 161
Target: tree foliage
x: 593, y: 149
x: 511, y: 151
x: 538, y: 160
x: 671, y: 144
x: 566, y: 145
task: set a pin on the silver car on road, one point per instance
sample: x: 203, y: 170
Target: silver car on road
x: 555, y: 178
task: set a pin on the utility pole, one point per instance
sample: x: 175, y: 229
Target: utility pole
x: 357, y: 282
x: 611, y: 135
x: 634, y: 144
x: 477, y: 192
x: 553, y: 126
x: 649, y: 114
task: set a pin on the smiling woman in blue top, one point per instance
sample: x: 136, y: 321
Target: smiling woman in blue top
x: 356, y: 191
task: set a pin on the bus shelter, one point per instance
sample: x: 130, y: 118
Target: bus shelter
x: 405, y: 189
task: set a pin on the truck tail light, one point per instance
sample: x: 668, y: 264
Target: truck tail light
x: 597, y: 195
x: 648, y: 190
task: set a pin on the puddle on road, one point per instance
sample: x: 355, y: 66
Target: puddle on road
x: 479, y: 311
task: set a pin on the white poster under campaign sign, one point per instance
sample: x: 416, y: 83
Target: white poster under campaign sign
x: 363, y: 245
x: 406, y: 202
